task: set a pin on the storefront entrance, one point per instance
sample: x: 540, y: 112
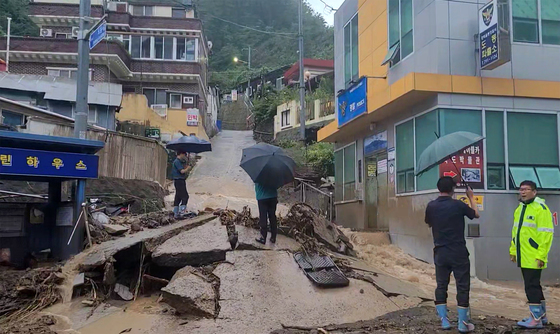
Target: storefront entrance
x: 376, y: 191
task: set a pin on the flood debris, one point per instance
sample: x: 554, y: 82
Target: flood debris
x: 23, y: 293
x: 302, y: 223
x: 123, y: 292
x: 191, y: 291
x: 115, y: 230
x: 150, y: 220
x: 33, y: 325
x: 415, y: 320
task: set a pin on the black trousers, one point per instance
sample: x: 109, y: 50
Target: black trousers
x: 533, y: 288
x: 458, y: 263
x: 267, y: 211
x: 181, y: 194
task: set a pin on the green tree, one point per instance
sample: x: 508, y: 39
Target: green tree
x: 21, y: 23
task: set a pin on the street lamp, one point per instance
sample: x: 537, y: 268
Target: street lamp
x: 237, y: 60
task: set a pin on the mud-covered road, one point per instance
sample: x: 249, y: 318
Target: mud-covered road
x: 417, y: 320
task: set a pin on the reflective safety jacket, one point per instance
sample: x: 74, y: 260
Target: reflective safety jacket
x: 532, y: 234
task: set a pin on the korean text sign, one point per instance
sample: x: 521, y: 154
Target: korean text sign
x: 15, y: 161
x: 352, y: 102
x: 488, y: 34
x: 467, y: 164
x: 192, y: 117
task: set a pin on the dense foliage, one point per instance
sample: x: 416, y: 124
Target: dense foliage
x: 21, y: 23
x: 318, y: 155
x: 269, y: 51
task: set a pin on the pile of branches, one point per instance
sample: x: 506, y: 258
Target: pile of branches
x: 23, y: 293
x: 299, y: 225
x: 232, y: 217
x: 148, y: 220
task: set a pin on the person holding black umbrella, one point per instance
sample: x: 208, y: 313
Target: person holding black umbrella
x: 267, y: 198
x: 446, y: 217
x: 179, y: 173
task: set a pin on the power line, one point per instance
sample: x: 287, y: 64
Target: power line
x: 282, y: 34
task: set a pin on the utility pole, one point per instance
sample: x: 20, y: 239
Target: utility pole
x: 80, y: 119
x: 301, y: 78
x: 249, y: 80
x: 8, y: 45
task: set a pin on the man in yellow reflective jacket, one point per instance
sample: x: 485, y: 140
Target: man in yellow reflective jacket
x: 531, y: 240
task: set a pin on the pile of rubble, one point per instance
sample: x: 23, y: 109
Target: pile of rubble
x: 315, y: 233
x: 150, y: 220
x: 25, y: 292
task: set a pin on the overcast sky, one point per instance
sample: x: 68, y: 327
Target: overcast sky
x: 321, y: 9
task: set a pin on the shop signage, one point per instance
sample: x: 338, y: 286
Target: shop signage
x: 382, y: 166
x: 371, y: 170
x: 14, y: 161
x: 493, y: 42
x: 466, y: 165
x: 375, y: 143
x: 479, y: 200
x: 391, y: 154
x: 353, y: 102
x: 192, y: 117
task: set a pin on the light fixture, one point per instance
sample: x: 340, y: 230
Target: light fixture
x: 235, y: 59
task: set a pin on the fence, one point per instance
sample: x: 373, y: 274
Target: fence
x: 124, y: 156
x: 319, y: 200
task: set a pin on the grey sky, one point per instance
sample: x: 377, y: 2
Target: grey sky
x: 320, y: 8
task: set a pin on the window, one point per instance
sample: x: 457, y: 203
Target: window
x: 92, y: 113
x: 527, y: 17
x: 285, y: 115
x: 405, y: 157
x: 146, y: 47
x: 71, y: 73
x: 541, y: 128
x: 135, y: 42
x: 550, y: 11
x: 525, y: 21
x: 61, y: 35
x: 155, y: 96
x: 179, y: 13
x: 401, y: 31
x: 12, y: 118
x: 143, y: 10
x: 345, y: 173
x: 175, y: 101
x: 351, y: 50
x: 495, y: 151
x: 156, y: 47
x: 124, y: 39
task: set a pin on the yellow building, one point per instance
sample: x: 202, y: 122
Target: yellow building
x: 411, y: 70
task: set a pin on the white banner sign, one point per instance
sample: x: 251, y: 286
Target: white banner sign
x: 192, y: 117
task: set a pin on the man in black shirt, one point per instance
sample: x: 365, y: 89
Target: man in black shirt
x: 446, y: 217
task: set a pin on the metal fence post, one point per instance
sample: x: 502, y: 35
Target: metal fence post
x: 331, y: 204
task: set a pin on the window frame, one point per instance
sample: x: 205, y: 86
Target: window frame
x: 177, y: 9
x: 155, y: 96
x: 287, y: 122
x: 90, y: 106
x: 399, y: 43
x: 508, y: 189
x: 351, y: 56
x: 356, y: 176
x: 171, y: 100
x: 539, y: 27
x: 174, y: 48
x: 69, y: 69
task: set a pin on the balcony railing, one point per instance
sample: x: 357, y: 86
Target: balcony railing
x: 326, y: 108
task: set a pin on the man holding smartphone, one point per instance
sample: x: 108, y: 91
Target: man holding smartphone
x: 446, y: 216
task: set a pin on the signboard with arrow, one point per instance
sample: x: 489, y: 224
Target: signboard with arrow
x: 467, y: 165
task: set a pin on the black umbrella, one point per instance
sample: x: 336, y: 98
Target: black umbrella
x: 268, y: 165
x: 189, y: 144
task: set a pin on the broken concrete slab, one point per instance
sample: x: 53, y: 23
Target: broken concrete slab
x: 100, y: 219
x: 79, y: 280
x: 98, y: 255
x: 115, y: 230
x: 190, y: 293
x: 247, y: 236
x: 199, y: 246
x: 283, y: 293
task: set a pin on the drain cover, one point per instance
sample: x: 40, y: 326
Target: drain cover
x: 321, y: 270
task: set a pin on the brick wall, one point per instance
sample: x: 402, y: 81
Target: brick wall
x: 149, y: 66
x: 100, y: 72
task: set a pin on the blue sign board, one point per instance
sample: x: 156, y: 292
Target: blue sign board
x: 97, y: 35
x: 488, y: 35
x: 353, y: 102
x: 14, y: 161
x: 375, y: 143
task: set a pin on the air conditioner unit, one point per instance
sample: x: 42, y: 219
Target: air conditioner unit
x: 160, y: 109
x: 75, y: 31
x: 188, y: 100
x: 46, y: 33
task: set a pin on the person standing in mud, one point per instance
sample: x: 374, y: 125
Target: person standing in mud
x: 267, y: 198
x: 446, y: 217
x: 531, y: 240
x: 179, y: 173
